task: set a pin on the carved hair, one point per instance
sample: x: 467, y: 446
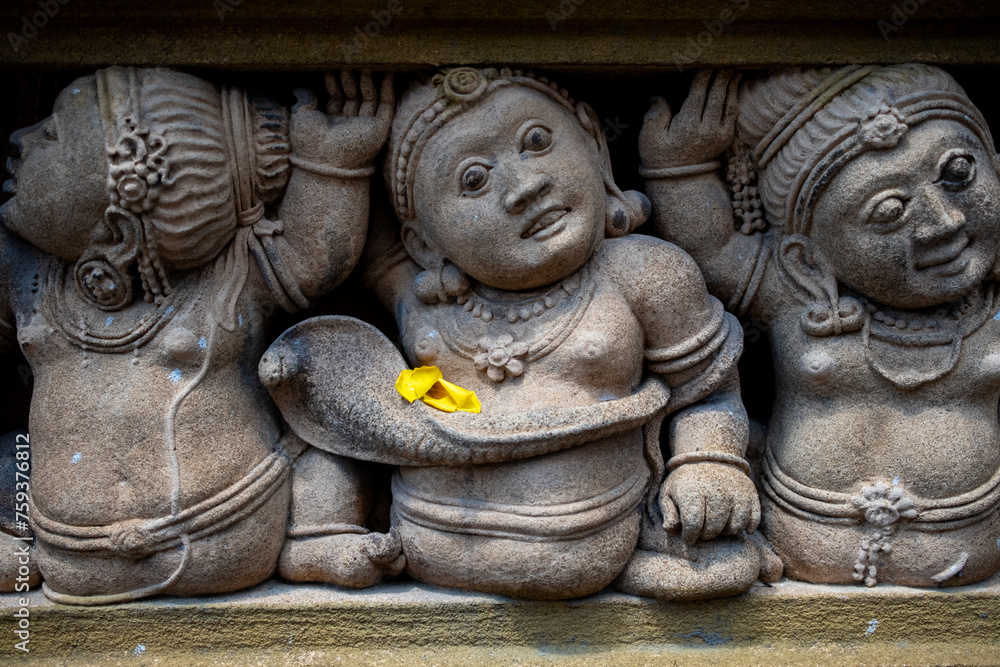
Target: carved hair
x: 430, y: 104
x: 802, y: 126
x: 795, y: 121
x: 170, y: 164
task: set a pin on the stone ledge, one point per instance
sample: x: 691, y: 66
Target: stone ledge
x: 638, y: 36
x: 403, y: 623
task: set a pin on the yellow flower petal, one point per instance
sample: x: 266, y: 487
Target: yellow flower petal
x: 427, y: 383
x: 414, y: 384
x: 450, y: 397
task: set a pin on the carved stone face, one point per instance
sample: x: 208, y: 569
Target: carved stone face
x: 511, y: 192
x: 59, y: 175
x: 915, y: 225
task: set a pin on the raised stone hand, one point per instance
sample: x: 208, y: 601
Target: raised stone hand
x: 355, y: 126
x: 702, y: 130
x: 707, y: 499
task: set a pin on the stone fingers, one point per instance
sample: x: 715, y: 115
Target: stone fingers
x: 352, y: 103
x: 336, y: 104
x: 369, y: 101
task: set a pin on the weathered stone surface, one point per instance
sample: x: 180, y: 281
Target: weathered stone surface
x: 563, y: 34
x: 790, y: 623
x: 516, y: 278
x: 866, y: 238
x: 156, y: 225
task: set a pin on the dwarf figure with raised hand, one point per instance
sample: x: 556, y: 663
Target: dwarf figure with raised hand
x: 516, y: 279
x: 156, y: 223
x: 866, y: 237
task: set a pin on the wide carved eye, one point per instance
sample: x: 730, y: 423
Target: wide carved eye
x: 958, y: 172
x: 888, y: 211
x: 536, y: 139
x: 474, y: 177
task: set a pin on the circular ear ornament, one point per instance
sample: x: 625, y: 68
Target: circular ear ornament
x: 624, y: 215
x: 441, y: 284
x: 103, y: 285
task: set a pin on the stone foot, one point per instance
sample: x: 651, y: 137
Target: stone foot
x: 725, y: 566
x: 771, y: 566
x: 349, y: 560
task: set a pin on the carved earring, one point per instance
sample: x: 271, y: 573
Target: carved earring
x: 440, y: 284
x: 624, y: 212
x: 103, y: 284
x: 102, y: 273
x: 828, y: 314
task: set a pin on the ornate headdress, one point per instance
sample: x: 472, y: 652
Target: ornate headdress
x: 801, y: 127
x: 191, y: 170
x: 831, y: 117
x: 137, y: 170
x: 427, y: 107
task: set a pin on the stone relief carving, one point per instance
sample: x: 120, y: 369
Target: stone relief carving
x: 157, y: 223
x: 515, y: 276
x: 866, y: 236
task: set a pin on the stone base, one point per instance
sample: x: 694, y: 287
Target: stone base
x: 405, y: 623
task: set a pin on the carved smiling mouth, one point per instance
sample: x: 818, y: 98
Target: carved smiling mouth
x: 947, y: 259
x: 545, y: 224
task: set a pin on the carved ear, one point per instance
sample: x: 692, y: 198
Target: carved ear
x: 805, y: 264
x: 419, y: 249
x: 102, y: 273
x: 828, y: 313
x: 125, y: 229
x: 592, y: 124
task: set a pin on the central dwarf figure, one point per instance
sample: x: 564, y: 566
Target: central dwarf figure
x: 516, y: 279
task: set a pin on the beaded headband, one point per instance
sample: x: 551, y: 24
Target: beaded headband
x: 455, y: 91
x: 882, y: 128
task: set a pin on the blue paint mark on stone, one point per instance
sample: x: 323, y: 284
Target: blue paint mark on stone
x: 108, y: 321
x: 202, y: 343
x: 175, y: 375
x: 76, y: 458
x: 710, y: 638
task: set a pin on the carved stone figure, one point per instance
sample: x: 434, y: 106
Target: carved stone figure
x: 516, y: 278
x: 149, y: 245
x: 866, y: 236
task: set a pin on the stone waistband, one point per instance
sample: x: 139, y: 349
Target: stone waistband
x: 880, y: 504
x: 528, y: 523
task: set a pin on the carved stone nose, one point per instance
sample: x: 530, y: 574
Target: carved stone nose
x: 526, y: 191
x: 939, y: 218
